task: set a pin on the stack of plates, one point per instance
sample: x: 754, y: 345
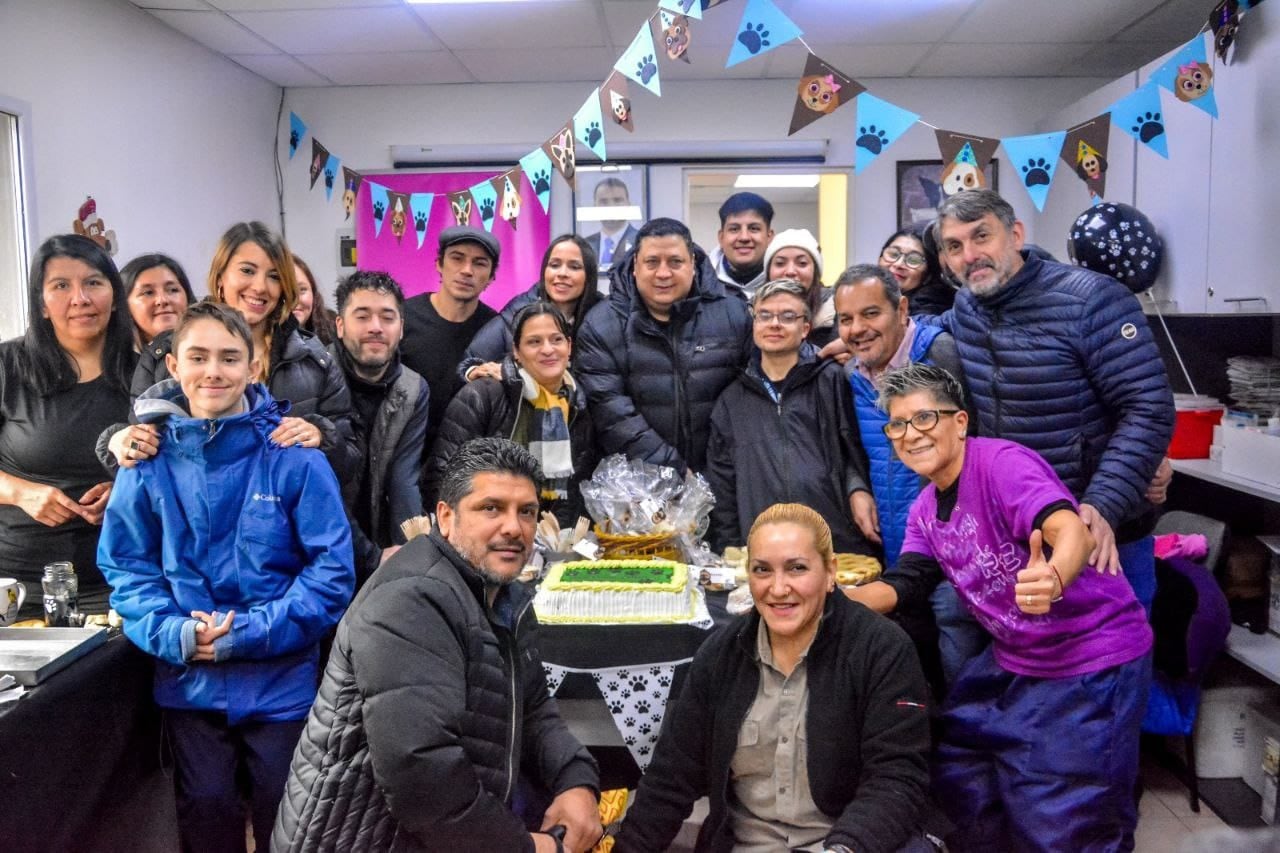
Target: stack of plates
x: 1255, y: 383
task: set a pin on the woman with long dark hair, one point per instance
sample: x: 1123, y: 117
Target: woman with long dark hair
x: 912, y: 258
x: 60, y: 384
x: 568, y: 281
x: 158, y: 292
x: 313, y: 316
x: 253, y: 272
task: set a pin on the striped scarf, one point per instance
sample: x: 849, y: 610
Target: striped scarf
x: 547, y: 436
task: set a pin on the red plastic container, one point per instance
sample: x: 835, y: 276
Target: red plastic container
x: 1193, y: 433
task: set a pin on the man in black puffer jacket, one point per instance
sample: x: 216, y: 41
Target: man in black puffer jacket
x: 434, y: 704
x: 655, y: 356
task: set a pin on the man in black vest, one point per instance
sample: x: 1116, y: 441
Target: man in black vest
x: 390, y: 402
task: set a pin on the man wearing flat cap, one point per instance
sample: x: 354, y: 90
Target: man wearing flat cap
x: 438, y: 326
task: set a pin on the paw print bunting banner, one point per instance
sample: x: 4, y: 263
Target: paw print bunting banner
x: 691, y: 8
x: 964, y: 157
x: 331, y: 175
x: 637, y: 700
x: 1189, y: 76
x: 762, y: 28
x: 640, y: 61
x: 297, y: 130
x: 1140, y: 116
x: 319, y: 156
x: 588, y: 125
x: 880, y: 123
x: 420, y: 211
x: 537, y: 166
x: 1084, y: 149
x: 378, y: 198
x: 1035, y: 160
x: 821, y: 91
x: 486, y: 199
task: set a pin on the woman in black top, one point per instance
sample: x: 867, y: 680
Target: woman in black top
x: 253, y: 272
x: 60, y: 385
x: 158, y: 293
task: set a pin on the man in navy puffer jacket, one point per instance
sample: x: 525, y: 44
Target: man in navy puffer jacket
x: 1060, y: 359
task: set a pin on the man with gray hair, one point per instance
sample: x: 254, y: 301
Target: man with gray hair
x: 1060, y: 359
x: 433, y: 728
x: 783, y: 432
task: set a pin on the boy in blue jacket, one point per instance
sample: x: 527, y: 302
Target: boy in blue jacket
x: 229, y: 558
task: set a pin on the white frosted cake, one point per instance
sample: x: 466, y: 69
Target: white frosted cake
x: 639, y: 591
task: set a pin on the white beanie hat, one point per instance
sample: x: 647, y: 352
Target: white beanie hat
x: 795, y: 238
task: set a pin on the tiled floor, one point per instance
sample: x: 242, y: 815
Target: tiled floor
x: 1165, y: 818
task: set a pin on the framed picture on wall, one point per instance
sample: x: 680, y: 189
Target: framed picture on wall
x: 920, y: 189
x: 609, y: 204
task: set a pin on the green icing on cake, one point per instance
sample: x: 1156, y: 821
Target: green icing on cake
x: 658, y: 574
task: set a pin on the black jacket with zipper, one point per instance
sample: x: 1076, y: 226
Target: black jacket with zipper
x: 802, y: 449
x: 430, y: 708
x: 868, y: 735
x: 652, y: 385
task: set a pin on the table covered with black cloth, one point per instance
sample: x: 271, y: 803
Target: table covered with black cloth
x: 80, y: 761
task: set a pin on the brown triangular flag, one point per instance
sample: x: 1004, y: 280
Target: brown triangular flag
x: 508, y: 189
x: 398, y: 205
x: 460, y: 205
x: 1085, y: 151
x: 560, y: 148
x: 319, y: 156
x: 351, y: 180
x: 821, y: 91
x: 615, y: 100
x: 673, y: 34
x: 964, y: 160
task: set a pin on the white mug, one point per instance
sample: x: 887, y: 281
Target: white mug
x: 12, y: 594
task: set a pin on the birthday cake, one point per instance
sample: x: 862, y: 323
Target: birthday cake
x: 636, y: 591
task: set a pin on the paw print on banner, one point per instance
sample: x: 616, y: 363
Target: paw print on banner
x: 541, y: 182
x: 639, y: 684
x: 872, y: 139
x: 629, y: 722
x: 664, y: 680
x: 645, y: 729
x: 655, y: 671
x: 615, y: 707
x: 625, y: 694
x: 642, y: 707
x: 420, y: 221
x: 656, y: 718
x: 629, y: 740
x: 1036, y: 173
x: 646, y: 69
x: 644, y: 750
x: 593, y: 133
x: 486, y: 209
x: 1148, y: 126
x: 328, y: 179
x: 612, y: 686
x: 754, y: 37
x: 378, y: 209
x: 294, y: 139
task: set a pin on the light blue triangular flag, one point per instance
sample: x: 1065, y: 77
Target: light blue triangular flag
x: 537, y: 168
x: 1035, y: 160
x: 1189, y: 76
x: 297, y: 130
x: 692, y: 8
x: 640, y: 61
x: 588, y: 124
x: 1139, y: 116
x: 331, y: 167
x: 379, y: 201
x: 486, y: 202
x: 880, y: 123
x: 762, y: 28
x: 420, y: 208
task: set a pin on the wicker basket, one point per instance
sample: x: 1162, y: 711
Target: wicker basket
x: 637, y: 546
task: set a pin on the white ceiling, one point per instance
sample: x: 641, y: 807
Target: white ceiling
x: 387, y: 42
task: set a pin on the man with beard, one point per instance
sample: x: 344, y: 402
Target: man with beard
x: 746, y: 227
x: 433, y: 729
x: 391, y: 406
x: 1060, y: 359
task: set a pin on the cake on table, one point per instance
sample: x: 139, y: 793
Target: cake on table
x: 638, y: 591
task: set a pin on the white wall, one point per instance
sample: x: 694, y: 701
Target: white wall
x: 360, y: 123
x: 173, y: 141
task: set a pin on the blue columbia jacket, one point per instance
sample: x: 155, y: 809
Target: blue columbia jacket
x: 222, y: 519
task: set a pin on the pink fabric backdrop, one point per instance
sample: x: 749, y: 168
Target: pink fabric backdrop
x: 415, y: 269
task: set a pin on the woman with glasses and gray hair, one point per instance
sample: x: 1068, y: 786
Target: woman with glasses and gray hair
x: 911, y: 256
x: 1038, y: 744
x: 784, y: 431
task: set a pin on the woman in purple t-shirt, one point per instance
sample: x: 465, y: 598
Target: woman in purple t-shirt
x: 1039, y: 739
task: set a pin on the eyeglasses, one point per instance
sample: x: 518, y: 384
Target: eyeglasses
x: 923, y: 420
x: 913, y: 260
x: 786, y: 318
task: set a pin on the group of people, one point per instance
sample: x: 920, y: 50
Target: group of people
x: 230, y: 473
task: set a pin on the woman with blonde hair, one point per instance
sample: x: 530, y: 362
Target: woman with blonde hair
x: 804, y: 720
x: 253, y: 272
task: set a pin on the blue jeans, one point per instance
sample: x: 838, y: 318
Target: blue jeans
x: 960, y: 637
x: 1138, y: 562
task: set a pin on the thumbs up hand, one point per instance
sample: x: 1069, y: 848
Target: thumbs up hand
x: 1037, y: 584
